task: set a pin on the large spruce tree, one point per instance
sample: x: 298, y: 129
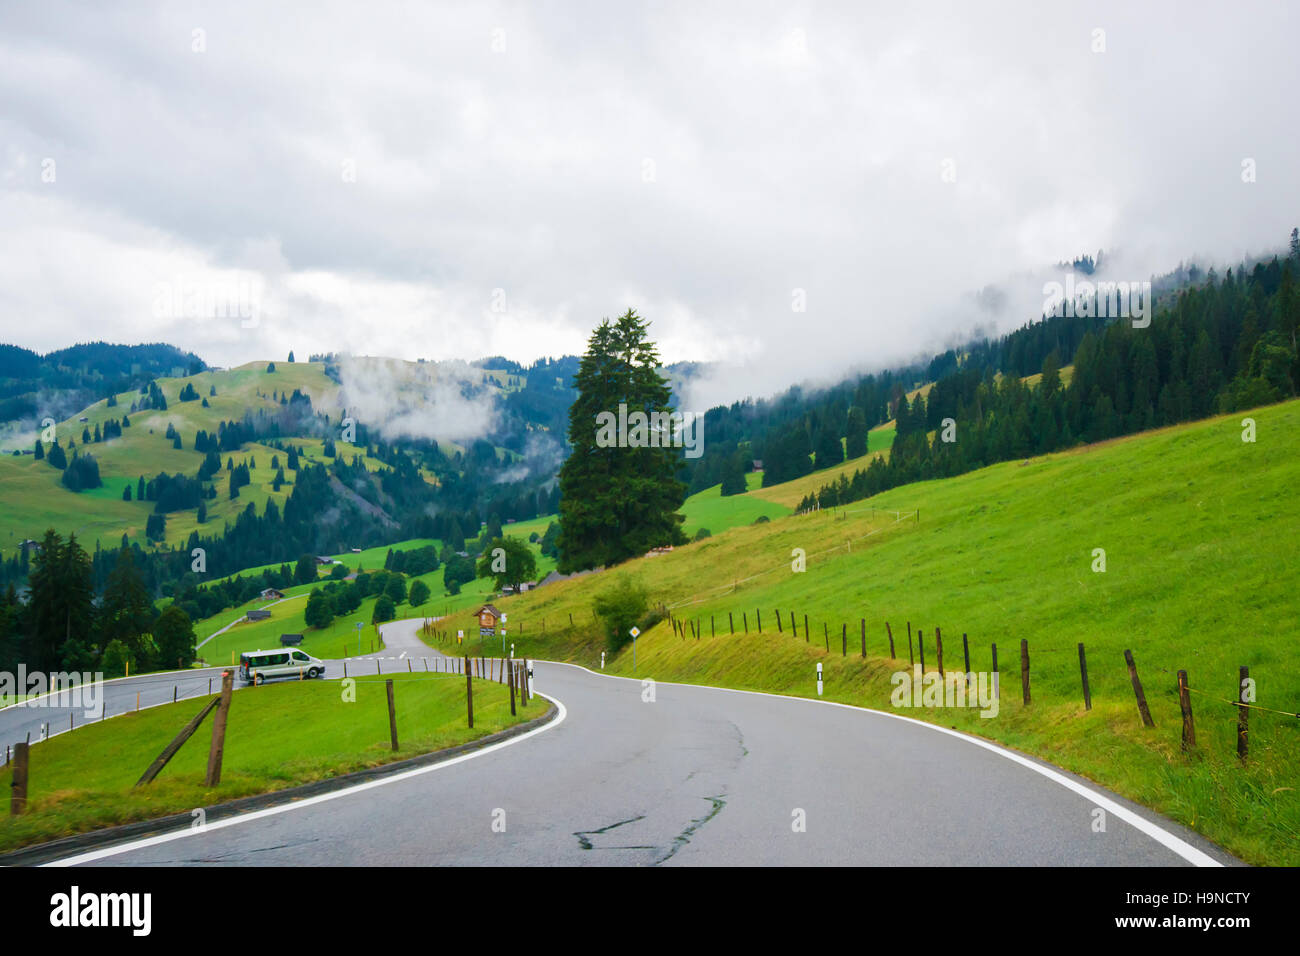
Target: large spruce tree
x: 617, y: 502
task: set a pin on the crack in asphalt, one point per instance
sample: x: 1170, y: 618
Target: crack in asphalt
x: 587, y: 844
x: 233, y: 855
x: 684, y: 837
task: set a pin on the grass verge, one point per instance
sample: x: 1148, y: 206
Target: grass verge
x: 279, y: 735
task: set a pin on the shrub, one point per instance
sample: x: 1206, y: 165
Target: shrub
x: 619, y: 609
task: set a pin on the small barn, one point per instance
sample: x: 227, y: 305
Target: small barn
x: 290, y: 640
x: 272, y: 594
x: 257, y: 614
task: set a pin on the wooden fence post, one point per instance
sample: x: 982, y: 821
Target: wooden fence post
x: 938, y: 648
x: 844, y: 640
x: 965, y: 652
x: 997, y: 675
x: 1185, y: 705
x: 177, y: 742
x: 745, y: 615
x: 218, y: 749
x: 1137, y: 690
x: 864, y: 638
x: 779, y: 629
x: 1083, y: 673
x: 469, y: 692
x: 1243, y: 714
x: 826, y: 636
x: 890, y: 632
x: 920, y: 648
x: 18, y: 784
x: 805, y: 628
x: 794, y: 626
x: 731, y: 623
x: 758, y: 614
x: 1024, y: 668
x: 392, y: 715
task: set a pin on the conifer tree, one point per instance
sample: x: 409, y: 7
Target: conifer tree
x: 617, y: 502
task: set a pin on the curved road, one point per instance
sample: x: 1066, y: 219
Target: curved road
x: 700, y: 775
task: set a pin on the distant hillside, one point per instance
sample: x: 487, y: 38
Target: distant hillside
x: 56, y: 384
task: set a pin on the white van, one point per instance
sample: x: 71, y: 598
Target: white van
x: 258, y: 666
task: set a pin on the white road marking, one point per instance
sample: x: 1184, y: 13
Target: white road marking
x: 1153, y: 830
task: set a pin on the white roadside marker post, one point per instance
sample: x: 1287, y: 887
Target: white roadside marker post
x: 602, y: 660
x: 819, y: 680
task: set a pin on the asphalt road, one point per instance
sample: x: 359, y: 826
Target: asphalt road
x: 698, y: 776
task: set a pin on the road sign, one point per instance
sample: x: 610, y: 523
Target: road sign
x: 635, y: 632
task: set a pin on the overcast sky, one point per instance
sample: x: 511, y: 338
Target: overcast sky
x: 455, y: 181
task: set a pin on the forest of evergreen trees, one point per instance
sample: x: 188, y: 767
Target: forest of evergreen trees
x: 797, y: 432
x: 1220, y: 346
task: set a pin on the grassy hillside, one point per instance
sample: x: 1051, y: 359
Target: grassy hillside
x: 37, y: 500
x: 1197, y: 528
x: 790, y: 493
x: 708, y: 509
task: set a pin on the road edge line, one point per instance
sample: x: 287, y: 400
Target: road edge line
x: 89, y: 857
x: 1154, y: 831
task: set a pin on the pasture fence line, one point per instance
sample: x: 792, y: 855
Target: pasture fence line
x: 916, y: 656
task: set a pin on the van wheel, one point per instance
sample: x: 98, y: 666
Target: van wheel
x: 258, y: 679
x: 313, y: 672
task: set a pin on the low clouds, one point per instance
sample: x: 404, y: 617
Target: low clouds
x: 401, y: 399
x: 480, y: 179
